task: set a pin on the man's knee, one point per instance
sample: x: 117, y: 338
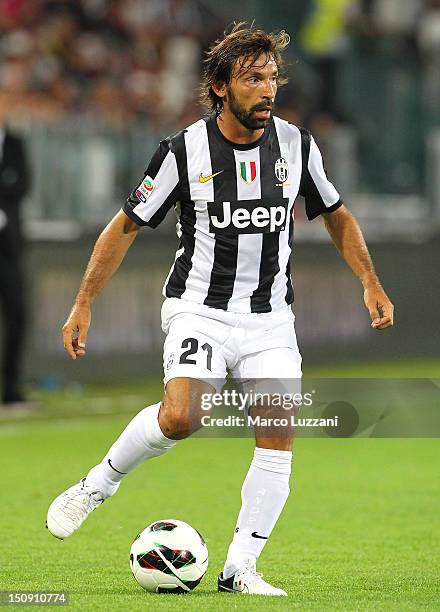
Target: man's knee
x: 174, y: 418
x: 180, y: 413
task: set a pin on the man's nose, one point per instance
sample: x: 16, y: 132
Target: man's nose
x: 269, y: 90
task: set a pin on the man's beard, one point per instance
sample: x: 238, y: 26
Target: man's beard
x: 247, y: 117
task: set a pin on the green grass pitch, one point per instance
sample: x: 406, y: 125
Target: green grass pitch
x: 360, y: 531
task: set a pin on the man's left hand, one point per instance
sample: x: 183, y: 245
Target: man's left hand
x: 379, y: 306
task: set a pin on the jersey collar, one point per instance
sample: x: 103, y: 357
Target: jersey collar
x: 235, y: 145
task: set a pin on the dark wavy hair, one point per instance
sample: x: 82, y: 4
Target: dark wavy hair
x: 242, y: 43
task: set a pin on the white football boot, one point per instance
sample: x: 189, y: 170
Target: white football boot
x: 247, y: 580
x: 69, y: 510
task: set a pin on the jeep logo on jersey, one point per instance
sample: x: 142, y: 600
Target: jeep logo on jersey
x: 282, y: 169
x: 247, y: 217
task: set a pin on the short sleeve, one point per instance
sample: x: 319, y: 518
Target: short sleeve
x: 158, y: 191
x: 319, y: 193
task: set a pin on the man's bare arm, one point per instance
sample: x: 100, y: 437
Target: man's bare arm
x: 108, y: 253
x: 347, y: 236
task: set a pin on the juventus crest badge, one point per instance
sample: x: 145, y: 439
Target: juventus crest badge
x: 282, y: 169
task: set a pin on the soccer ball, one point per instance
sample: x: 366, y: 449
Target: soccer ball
x: 169, y: 556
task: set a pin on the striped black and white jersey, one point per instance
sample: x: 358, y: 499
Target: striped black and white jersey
x: 234, y: 204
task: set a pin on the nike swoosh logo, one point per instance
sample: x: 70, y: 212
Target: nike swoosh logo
x: 113, y: 468
x: 204, y: 179
x: 254, y: 534
x: 244, y: 589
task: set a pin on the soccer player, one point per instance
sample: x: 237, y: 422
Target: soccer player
x: 233, y: 178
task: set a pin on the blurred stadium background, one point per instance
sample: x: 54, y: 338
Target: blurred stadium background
x: 94, y: 84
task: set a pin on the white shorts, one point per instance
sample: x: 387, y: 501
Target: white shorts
x: 206, y: 343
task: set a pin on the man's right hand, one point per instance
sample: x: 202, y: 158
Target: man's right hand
x: 75, y: 330
x: 108, y: 253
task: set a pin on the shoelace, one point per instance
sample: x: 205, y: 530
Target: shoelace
x: 73, y: 507
x: 257, y: 576
x: 250, y: 568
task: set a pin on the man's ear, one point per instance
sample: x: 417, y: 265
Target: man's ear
x: 219, y: 89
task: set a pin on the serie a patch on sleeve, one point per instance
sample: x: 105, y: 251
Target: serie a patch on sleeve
x: 145, y: 189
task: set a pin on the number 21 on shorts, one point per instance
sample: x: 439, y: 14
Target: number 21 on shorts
x: 192, y: 348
